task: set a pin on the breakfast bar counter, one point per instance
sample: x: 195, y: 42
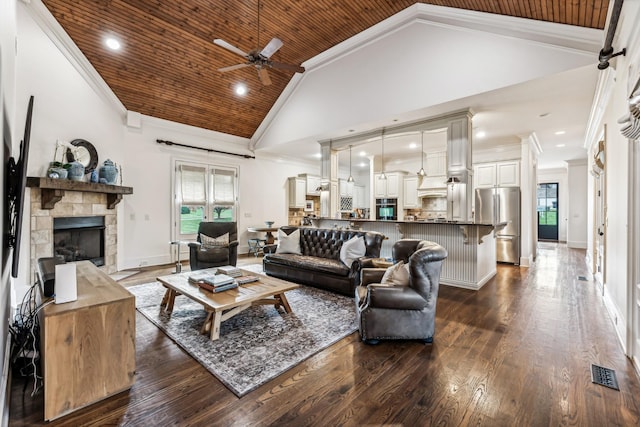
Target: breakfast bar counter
x: 472, y: 247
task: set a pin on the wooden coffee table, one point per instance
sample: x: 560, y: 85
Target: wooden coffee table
x: 224, y: 305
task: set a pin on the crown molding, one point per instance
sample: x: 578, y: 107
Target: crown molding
x: 45, y: 20
x: 604, y: 88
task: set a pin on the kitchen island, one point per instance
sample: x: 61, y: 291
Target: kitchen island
x: 472, y: 247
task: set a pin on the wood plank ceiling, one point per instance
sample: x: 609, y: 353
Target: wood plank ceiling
x: 167, y: 67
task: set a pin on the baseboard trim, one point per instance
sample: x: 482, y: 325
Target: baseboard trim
x: 617, y: 319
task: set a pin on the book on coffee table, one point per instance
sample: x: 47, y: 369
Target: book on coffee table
x: 216, y: 289
x: 229, y: 270
x: 211, y: 279
x: 243, y: 280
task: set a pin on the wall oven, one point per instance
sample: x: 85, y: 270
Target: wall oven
x: 387, y: 209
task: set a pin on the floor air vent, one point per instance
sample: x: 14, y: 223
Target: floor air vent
x: 583, y: 278
x: 604, y: 376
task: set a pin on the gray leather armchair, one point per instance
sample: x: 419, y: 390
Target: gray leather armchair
x: 201, y: 257
x: 402, y: 312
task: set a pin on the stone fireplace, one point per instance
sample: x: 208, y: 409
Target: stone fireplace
x: 89, y: 204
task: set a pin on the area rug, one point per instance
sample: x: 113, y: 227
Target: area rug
x: 258, y: 344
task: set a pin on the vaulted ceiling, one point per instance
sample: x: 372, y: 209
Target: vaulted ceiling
x: 167, y: 66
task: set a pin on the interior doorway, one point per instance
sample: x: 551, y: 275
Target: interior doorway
x: 547, y: 207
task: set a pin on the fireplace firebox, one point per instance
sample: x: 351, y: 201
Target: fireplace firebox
x: 79, y: 238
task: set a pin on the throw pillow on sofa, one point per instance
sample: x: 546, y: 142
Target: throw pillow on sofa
x: 289, y: 244
x: 396, y: 275
x: 214, y: 242
x: 352, y: 249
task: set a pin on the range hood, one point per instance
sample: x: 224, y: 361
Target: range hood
x: 432, y: 186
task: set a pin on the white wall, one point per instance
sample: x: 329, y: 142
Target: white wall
x: 577, y: 178
x: 618, y: 283
x: 10, y: 141
x: 560, y: 176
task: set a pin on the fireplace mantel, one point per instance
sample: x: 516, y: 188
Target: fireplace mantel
x: 53, y: 190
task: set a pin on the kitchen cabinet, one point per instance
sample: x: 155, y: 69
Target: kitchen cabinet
x: 436, y: 164
x: 359, y: 197
x: 498, y: 174
x: 313, y: 182
x: 410, y: 193
x: 346, y: 188
x: 458, y: 146
x: 390, y: 187
x: 297, y: 192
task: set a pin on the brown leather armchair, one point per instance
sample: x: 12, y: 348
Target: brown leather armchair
x: 202, y: 257
x: 402, y: 312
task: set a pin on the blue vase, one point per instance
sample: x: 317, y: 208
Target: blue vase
x: 76, y: 171
x: 94, y: 176
x: 109, y: 172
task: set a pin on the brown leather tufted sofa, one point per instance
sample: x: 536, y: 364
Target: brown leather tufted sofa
x: 402, y: 312
x: 320, y: 265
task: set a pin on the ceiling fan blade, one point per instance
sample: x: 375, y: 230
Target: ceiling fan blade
x: 281, y: 66
x: 233, y: 67
x: 264, y: 76
x: 271, y: 48
x: 230, y: 47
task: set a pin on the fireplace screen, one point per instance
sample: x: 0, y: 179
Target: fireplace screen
x: 79, y: 238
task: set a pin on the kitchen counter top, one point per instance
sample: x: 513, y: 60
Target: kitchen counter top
x: 426, y: 221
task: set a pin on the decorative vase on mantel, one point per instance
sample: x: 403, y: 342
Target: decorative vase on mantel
x: 108, y: 173
x: 76, y: 171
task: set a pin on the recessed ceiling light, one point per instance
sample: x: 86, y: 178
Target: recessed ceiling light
x: 363, y: 164
x: 413, y: 145
x: 352, y: 130
x: 481, y: 134
x: 318, y: 155
x: 363, y: 153
x: 544, y: 114
x: 560, y: 132
x: 112, y: 43
x: 241, y: 89
x: 560, y: 145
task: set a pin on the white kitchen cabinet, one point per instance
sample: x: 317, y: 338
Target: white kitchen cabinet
x: 410, y: 192
x: 313, y: 182
x: 508, y: 174
x: 436, y: 164
x: 297, y: 192
x: 359, y: 197
x: 499, y: 174
x: 346, y: 188
x: 390, y: 187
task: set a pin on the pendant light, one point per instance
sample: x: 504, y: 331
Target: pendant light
x: 421, y: 172
x: 350, y: 179
x: 382, y: 175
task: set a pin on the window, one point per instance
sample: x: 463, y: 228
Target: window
x: 203, y: 193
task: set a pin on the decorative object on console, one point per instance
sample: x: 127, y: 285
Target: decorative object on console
x: 108, y: 173
x: 269, y: 223
x: 86, y: 154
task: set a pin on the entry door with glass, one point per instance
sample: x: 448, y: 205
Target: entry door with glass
x: 547, y: 208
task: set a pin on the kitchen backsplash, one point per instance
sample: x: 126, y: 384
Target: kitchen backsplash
x: 432, y: 207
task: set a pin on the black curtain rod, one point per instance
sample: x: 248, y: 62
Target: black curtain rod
x: 209, y: 150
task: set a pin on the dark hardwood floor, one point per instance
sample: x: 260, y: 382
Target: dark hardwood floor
x: 516, y: 353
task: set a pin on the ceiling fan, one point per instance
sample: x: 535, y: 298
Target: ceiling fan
x: 258, y: 58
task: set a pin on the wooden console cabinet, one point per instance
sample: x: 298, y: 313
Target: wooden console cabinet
x: 88, y: 346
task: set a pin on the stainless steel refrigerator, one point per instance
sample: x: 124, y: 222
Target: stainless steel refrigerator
x: 496, y: 205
